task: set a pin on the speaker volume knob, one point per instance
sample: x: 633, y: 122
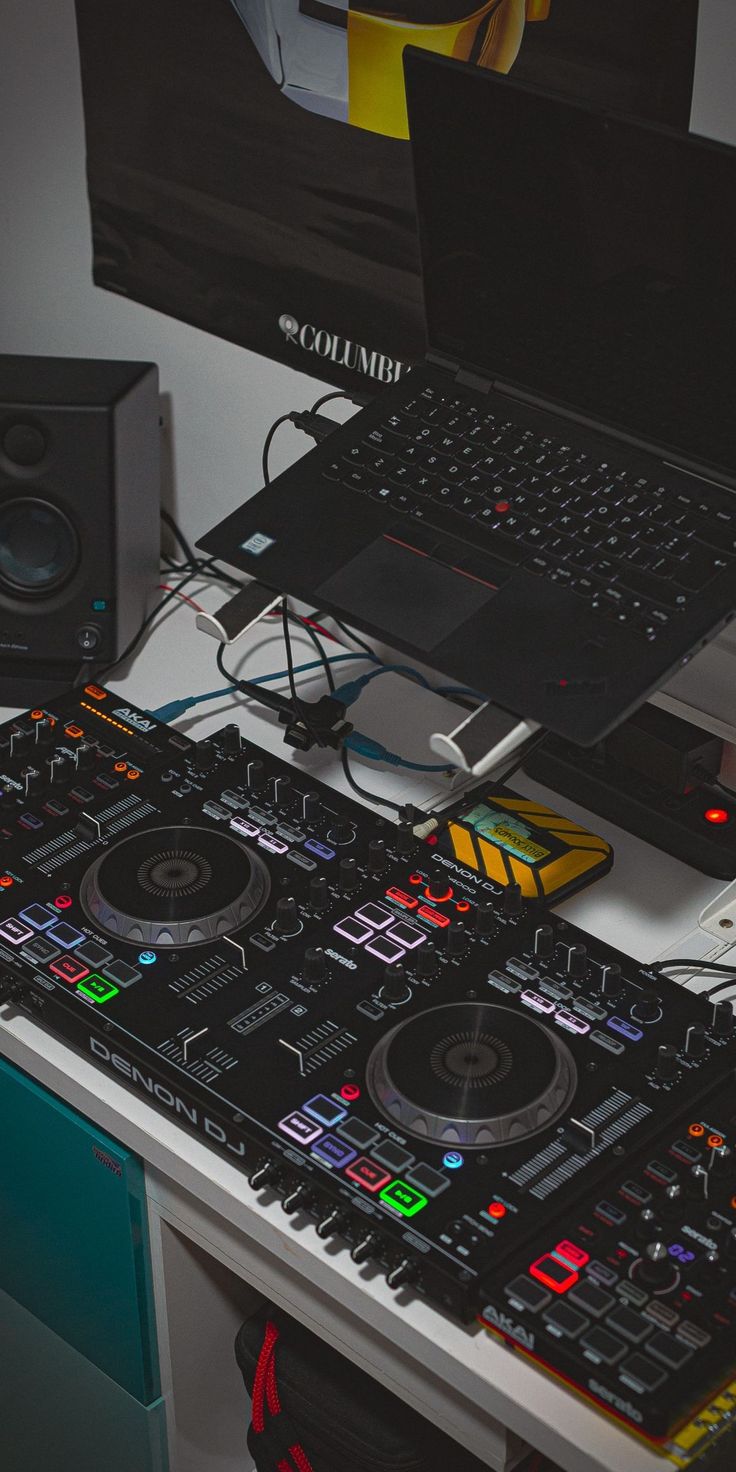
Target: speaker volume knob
x: 287, y: 920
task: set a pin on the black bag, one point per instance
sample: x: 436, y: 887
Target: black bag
x: 314, y: 1411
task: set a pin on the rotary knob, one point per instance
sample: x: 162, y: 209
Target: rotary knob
x: 647, y: 1007
x: 376, y: 856
x: 485, y: 920
x: 366, y: 1247
x: 332, y: 1223
x: 513, y: 901
x: 427, y: 961
x: 32, y: 781
x: 730, y: 1244
x: 343, y: 831
x: 300, y: 1196
x: 611, y: 982
x: 577, y: 961
x: 698, y: 1183
x: 695, y: 1040
x: 544, y: 942
x: 231, y: 739
x: 319, y: 895
x: 44, y: 732
x: 282, y: 793
x: 395, y: 988
x: 647, y: 1226
x: 287, y: 920
x: 263, y: 1174
x: 722, y: 1023
x: 255, y: 775
x: 673, y: 1202
x: 721, y: 1160
x: 205, y: 755
x: 311, y: 806
x: 348, y: 875
x: 457, y: 938
x: 85, y: 756
x: 315, y: 964
x: 58, y: 766
x: 666, y: 1068
x: 405, y: 1271
x: 404, y: 840
x: 7, y: 797
x: 656, y: 1267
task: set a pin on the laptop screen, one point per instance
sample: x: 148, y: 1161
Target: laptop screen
x: 583, y: 257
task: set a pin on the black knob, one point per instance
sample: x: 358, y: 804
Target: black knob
x: 365, y: 1248
x: 20, y: 741
x: 712, y: 1263
x: 331, y: 1223
x: 263, y: 1173
x: 32, y: 780
x: 343, y: 831
x: 231, y: 739
x: 647, y: 1007
x: 544, y: 942
x: 405, y: 1271
x: 376, y: 856
x: 485, y: 920
x: 647, y: 1226
x: 282, y: 793
x: 722, y: 1023
x: 311, y: 806
x: 720, y: 1160
x: 59, y: 765
x: 457, y: 938
x: 730, y: 1243
x: 300, y: 1196
x: 85, y: 756
x: 513, y: 900
x: 315, y: 964
x: 405, y: 840
x: 611, y: 982
x: 7, y: 797
x: 255, y: 775
x: 287, y: 920
x: 656, y: 1268
x: 348, y: 875
x: 577, y: 960
x: 319, y: 895
x: 666, y: 1062
x: 673, y: 1203
x: 395, y: 986
x: 44, y: 732
x: 695, y: 1040
x: 205, y: 756
x: 427, y: 960
x: 698, y: 1183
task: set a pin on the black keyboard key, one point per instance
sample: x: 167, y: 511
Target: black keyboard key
x: 384, y: 439
x: 700, y: 567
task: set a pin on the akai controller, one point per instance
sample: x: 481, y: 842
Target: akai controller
x: 474, y: 1095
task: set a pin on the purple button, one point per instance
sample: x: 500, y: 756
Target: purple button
x: 15, y: 931
x: 627, y: 1029
x: 353, y: 930
x: 274, y: 845
x: 570, y: 1022
x: 407, y: 935
x: 334, y: 1151
x: 38, y: 916
x: 377, y: 916
x: 320, y: 849
x: 385, y: 950
x: 299, y: 1128
x: 537, y: 1003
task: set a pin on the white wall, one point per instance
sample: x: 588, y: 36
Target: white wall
x: 222, y: 397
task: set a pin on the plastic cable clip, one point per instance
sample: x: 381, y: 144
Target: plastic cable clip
x: 486, y: 738
x: 239, y: 614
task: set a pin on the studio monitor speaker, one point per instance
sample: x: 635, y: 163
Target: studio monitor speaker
x: 79, y: 516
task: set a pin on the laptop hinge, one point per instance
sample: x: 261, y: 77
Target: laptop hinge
x: 463, y: 376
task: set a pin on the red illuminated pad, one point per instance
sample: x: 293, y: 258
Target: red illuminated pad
x: 368, y: 1174
x: 572, y: 1254
x: 553, y: 1273
x: 69, y: 969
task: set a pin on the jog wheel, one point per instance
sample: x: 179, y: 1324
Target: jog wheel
x: 174, y: 887
x: 471, y: 1074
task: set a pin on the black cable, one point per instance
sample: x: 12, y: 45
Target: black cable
x: 693, y: 964
x: 173, y: 526
x: 384, y: 802
x: 173, y: 592
x: 282, y: 419
x: 350, y: 634
x: 300, y: 708
x: 270, y: 698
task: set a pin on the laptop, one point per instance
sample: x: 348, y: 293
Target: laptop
x: 542, y: 509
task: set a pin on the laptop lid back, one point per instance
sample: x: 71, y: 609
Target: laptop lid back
x: 585, y: 259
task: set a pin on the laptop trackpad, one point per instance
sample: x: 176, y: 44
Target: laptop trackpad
x: 405, y: 593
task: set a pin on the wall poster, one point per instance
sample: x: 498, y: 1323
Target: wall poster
x: 247, y: 161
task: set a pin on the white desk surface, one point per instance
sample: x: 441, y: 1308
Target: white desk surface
x: 648, y: 904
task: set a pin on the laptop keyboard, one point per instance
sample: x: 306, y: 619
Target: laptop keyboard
x: 636, y: 551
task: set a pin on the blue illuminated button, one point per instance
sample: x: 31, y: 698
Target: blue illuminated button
x: 65, y: 936
x: 626, y: 1029
x: 453, y: 1160
x: 147, y: 958
x: 332, y: 1150
x: 38, y: 916
x: 327, y: 1111
x: 320, y: 849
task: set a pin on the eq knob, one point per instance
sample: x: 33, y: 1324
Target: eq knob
x: 698, y: 1183
x: 720, y: 1160
x: 32, y: 780
x: 319, y: 895
x: 348, y: 875
x: 332, y: 1223
x: 231, y: 739
x: 695, y: 1040
x: 722, y: 1023
x: 44, y: 732
x: 376, y: 856
x: 544, y: 942
x: 300, y: 1196
x: 427, y: 960
x: 287, y: 920
x: 205, y: 755
x: 315, y: 964
x: 672, y: 1202
x: 457, y: 938
x: 404, y: 840
x: 311, y: 806
x: 255, y: 774
x: 282, y: 793
x: 666, y: 1068
x: 366, y: 1247
x: 577, y: 960
x: 611, y: 982
x: 513, y: 900
x: 395, y: 988
x: 485, y: 920
x: 405, y: 1271
x: 84, y: 756
x: 647, y: 1226
x: 59, y: 765
x: 20, y: 741
x: 647, y: 1007
x: 263, y: 1174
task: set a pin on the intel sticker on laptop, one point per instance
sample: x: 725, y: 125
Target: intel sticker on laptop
x: 257, y: 544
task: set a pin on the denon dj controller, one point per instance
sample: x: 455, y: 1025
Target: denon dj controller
x: 506, y: 1115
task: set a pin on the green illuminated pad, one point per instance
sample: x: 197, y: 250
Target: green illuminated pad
x: 403, y: 1198
x: 97, y: 989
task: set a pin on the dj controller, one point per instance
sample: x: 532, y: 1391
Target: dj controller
x: 501, y: 1112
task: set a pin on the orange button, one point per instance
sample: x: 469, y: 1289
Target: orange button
x: 121, y: 766
x: 37, y: 715
x: 74, y: 731
x: 5, y: 881
x: 95, y: 692
x: 132, y: 774
x: 715, y: 1141
x: 696, y: 1130
x: 497, y: 1210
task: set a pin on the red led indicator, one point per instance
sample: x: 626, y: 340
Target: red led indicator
x: 5, y: 881
x: 350, y: 1092
x: 431, y: 839
x: 462, y: 906
x: 416, y: 879
x: 497, y: 1210
x: 502, y: 506
x: 716, y: 815
x: 62, y: 901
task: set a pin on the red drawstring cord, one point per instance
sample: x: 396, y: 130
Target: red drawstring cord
x: 265, y: 1386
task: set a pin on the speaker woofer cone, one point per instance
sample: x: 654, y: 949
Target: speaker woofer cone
x: 39, y: 547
